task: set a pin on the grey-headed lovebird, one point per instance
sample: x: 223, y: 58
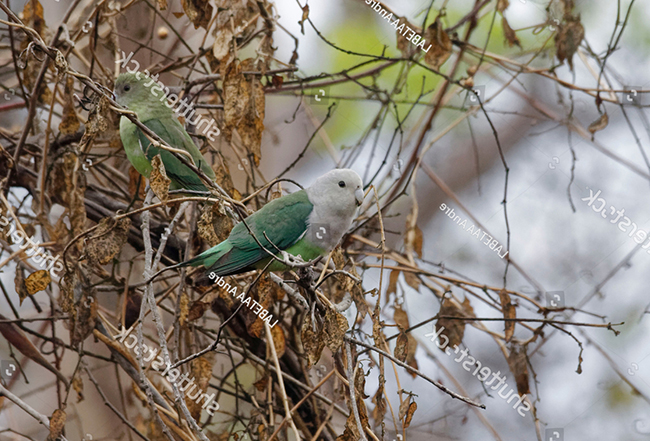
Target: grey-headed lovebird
x: 309, y: 223
x: 144, y: 96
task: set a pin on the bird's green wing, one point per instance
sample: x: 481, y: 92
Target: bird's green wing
x: 284, y: 220
x: 176, y: 136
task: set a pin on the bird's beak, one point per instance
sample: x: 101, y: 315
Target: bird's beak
x: 358, y: 195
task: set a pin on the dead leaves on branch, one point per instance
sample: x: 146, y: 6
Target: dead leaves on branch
x: 107, y: 240
x: 198, y: 11
x: 453, y: 329
x: 440, y: 45
x: 568, y: 38
x: 244, y: 103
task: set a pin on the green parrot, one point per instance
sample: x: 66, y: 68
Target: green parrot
x: 140, y: 93
x: 309, y: 223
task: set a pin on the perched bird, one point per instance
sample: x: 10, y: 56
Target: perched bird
x: 141, y: 94
x: 309, y: 223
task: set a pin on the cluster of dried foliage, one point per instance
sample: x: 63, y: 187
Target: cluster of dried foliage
x: 65, y: 177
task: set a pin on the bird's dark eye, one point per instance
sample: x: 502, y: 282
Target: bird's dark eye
x: 341, y: 184
x: 127, y: 88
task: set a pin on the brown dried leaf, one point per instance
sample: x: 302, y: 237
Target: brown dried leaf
x: 568, y: 39
x: 19, y: 282
x: 244, y: 106
x: 509, y: 33
x: 214, y: 225
x: 502, y: 5
x: 107, y: 240
x: 412, y: 280
x: 78, y: 386
x: 278, y: 340
x: 198, y: 11
x: 403, y: 45
x: 392, y: 283
x: 69, y: 120
x: 84, y: 321
x: 305, y: 15
x: 162, y: 4
x: 402, y: 322
x: 184, y: 308
x: 519, y: 367
x: 453, y: 329
x: 379, y: 401
x: 37, y: 281
x: 599, y: 124
x: 136, y: 178
x: 401, y: 347
x: 409, y: 414
x: 57, y: 421
x: 440, y: 45
x: 201, y: 372
x: 509, y: 312
x: 262, y: 383
x: 197, y: 310
x: 158, y: 180
x: 312, y: 343
x: 336, y: 325
x: 403, y: 407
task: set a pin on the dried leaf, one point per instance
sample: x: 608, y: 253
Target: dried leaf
x: 78, y: 386
x: 198, y: 11
x: 392, y: 283
x: 502, y: 5
x: 57, y: 421
x: 440, y: 45
x: 262, y: 383
x: 519, y: 367
x: 403, y: 408
x: 197, y: 310
x: 221, y: 47
x: 162, y: 4
x: 401, y: 347
x: 379, y: 401
x: 158, y: 180
x: 305, y: 15
x: 69, y: 120
x: 409, y: 414
x: 37, y: 281
x: 412, y: 280
x: 84, y: 318
x: 599, y: 124
x: 312, y: 343
x: 19, y: 282
x: 568, y: 39
x: 402, y: 321
x: 278, y: 340
x: 403, y: 45
x: 214, y: 225
x: 184, y: 308
x: 244, y: 107
x: 201, y: 372
x: 107, y: 240
x: 509, y: 312
x: 336, y: 325
x: 509, y: 33
x: 137, y: 183
x: 453, y: 329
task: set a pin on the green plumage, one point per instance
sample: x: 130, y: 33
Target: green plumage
x: 284, y: 220
x: 147, y: 103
